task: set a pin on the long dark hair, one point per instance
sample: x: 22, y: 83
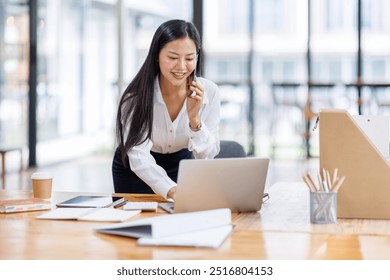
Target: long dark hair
x: 136, y: 105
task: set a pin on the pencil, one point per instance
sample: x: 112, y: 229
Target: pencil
x: 330, y: 185
x: 338, y: 185
x: 334, y: 176
x: 308, y: 183
x: 313, y: 183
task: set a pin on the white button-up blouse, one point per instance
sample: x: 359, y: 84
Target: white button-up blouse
x: 170, y: 137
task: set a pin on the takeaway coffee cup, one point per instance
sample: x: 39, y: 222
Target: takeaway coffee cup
x: 42, y: 184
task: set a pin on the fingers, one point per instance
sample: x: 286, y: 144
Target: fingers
x: 196, y: 90
x: 171, y: 193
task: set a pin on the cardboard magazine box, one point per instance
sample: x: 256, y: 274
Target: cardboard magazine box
x: 344, y: 145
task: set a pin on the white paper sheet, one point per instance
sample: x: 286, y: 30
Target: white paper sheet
x: 212, y: 238
x: 87, y: 214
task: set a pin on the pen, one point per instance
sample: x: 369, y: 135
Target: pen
x: 120, y: 204
x: 320, y: 183
x: 316, y: 124
x: 325, y: 181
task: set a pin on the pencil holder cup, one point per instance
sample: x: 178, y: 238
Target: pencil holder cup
x: 323, y: 207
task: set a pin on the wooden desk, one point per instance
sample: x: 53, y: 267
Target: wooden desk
x: 281, y: 230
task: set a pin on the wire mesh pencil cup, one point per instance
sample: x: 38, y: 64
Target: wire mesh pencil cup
x: 323, y: 207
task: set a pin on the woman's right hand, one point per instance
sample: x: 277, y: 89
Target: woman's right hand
x: 195, y: 102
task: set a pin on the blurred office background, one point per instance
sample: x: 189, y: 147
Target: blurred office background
x: 65, y: 63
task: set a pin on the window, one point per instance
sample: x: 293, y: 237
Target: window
x: 371, y: 11
x: 233, y: 16
x: 270, y: 15
x: 14, y: 47
x: 334, y: 14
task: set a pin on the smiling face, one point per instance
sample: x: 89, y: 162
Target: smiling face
x: 177, y: 60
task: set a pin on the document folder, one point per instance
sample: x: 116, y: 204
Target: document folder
x: 344, y: 145
x: 207, y: 228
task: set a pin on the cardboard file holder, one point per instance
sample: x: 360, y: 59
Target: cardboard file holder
x: 344, y: 145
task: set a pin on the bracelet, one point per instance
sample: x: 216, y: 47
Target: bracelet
x: 197, y: 128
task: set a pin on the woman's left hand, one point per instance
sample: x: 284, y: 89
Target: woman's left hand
x: 171, y: 193
x: 195, y: 101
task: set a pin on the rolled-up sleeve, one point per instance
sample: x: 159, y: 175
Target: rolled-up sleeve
x: 205, y: 143
x: 143, y: 164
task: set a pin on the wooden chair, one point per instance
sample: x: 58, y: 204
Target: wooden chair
x: 3, y: 151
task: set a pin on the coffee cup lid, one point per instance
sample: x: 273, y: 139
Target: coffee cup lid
x: 41, y: 175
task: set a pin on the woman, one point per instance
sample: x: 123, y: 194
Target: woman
x: 166, y: 114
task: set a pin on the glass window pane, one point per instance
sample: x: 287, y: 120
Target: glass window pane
x: 14, y: 48
x: 333, y: 40
x: 376, y: 41
x: 78, y: 68
x: 226, y: 47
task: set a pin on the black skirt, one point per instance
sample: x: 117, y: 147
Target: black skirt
x: 126, y: 181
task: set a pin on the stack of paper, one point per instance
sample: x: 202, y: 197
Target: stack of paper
x: 87, y: 214
x: 200, y: 229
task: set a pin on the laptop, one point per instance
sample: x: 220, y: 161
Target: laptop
x: 204, y: 184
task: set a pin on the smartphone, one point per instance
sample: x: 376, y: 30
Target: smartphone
x: 191, y: 78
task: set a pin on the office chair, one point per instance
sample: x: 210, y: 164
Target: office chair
x: 230, y: 149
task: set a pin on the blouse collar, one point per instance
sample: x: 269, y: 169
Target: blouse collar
x: 158, y: 95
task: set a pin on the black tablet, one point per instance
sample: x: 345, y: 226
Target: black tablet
x: 90, y: 201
